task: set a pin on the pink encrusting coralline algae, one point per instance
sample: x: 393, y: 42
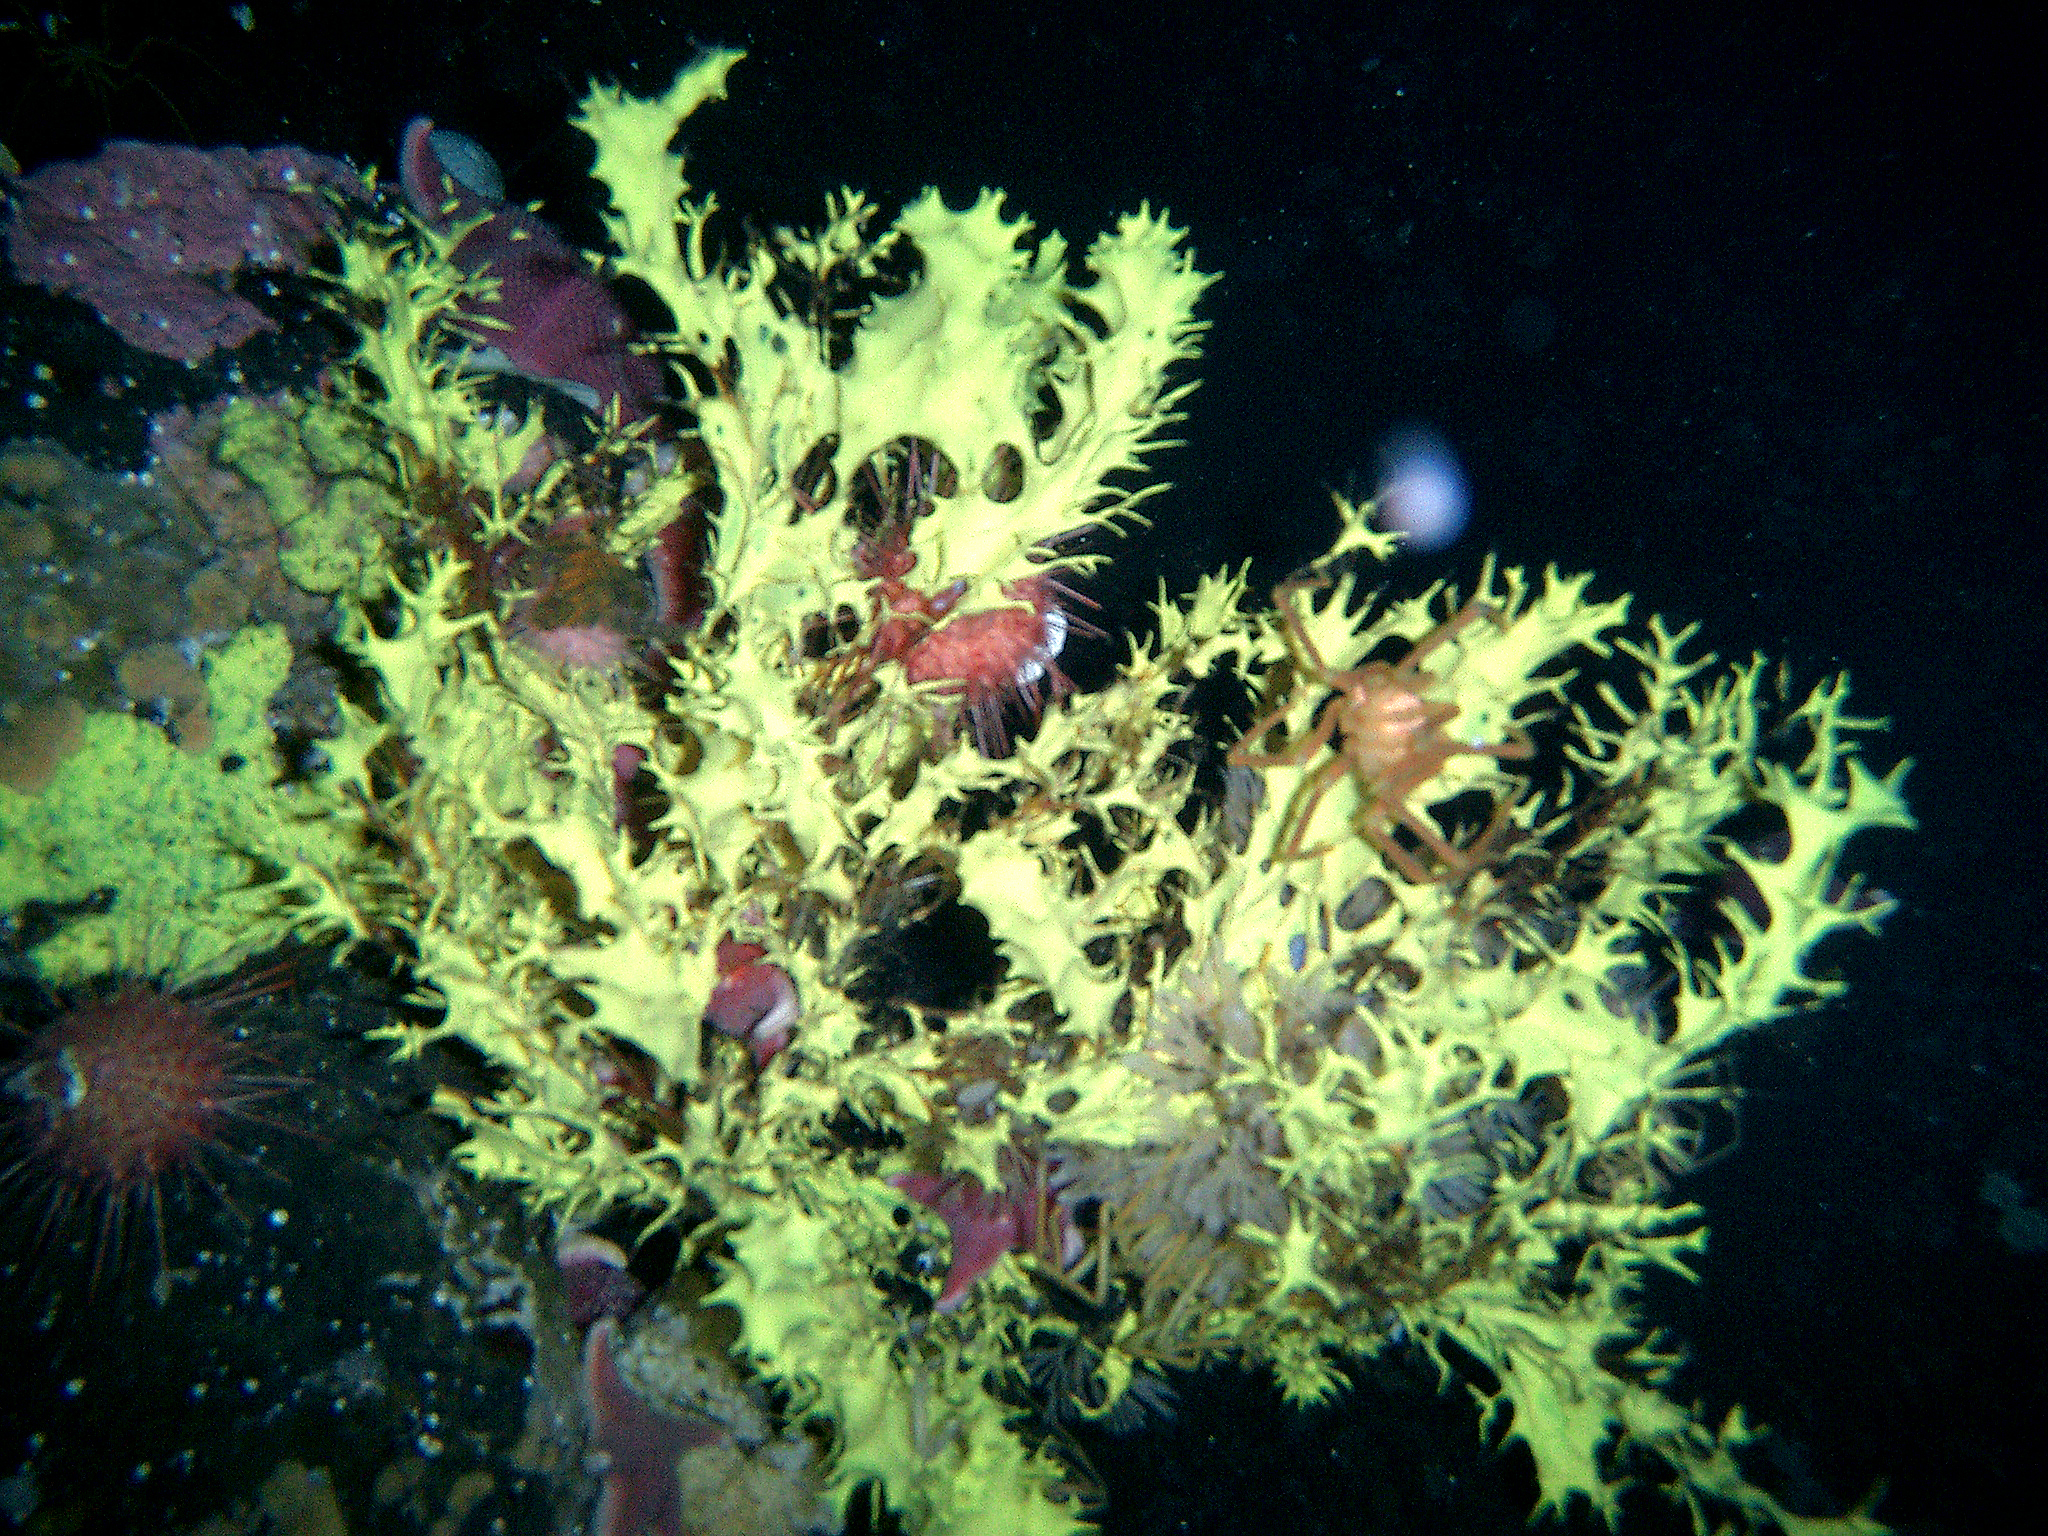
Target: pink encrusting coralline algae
x: 150, y: 235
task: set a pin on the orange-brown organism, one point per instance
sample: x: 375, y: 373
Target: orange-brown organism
x: 1387, y: 734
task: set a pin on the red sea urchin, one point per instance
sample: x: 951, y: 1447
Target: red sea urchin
x: 115, y: 1094
x: 999, y: 657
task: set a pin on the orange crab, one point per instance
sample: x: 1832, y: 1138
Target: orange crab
x: 1388, y: 736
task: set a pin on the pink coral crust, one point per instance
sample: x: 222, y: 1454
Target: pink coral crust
x: 146, y: 233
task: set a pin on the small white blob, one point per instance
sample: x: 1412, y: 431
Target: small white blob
x: 1422, y: 489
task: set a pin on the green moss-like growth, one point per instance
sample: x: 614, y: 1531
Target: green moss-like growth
x: 326, y: 484
x: 169, y: 833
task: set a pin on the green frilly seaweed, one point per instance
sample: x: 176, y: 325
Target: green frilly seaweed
x: 1300, y: 1102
